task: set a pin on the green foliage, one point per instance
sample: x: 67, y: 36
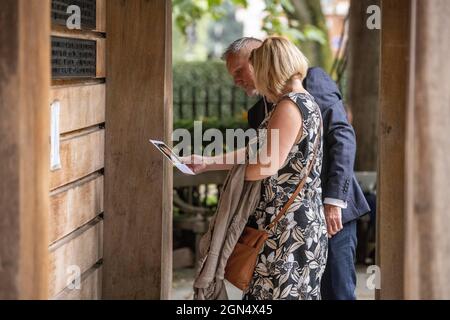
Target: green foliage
x: 214, y: 123
x: 198, y: 78
x: 279, y: 19
x: 313, y: 33
x: 201, y: 73
x: 187, y: 12
x: 280, y: 11
x: 212, y: 200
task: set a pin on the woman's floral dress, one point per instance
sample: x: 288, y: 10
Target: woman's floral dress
x: 292, y: 261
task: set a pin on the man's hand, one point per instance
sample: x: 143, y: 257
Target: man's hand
x: 333, y: 216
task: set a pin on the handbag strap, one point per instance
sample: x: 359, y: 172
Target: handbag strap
x: 302, y: 183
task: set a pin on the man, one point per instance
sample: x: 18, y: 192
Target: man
x: 343, y: 200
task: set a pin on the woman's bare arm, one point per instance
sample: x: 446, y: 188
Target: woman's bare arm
x: 200, y: 164
x: 225, y: 161
x: 287, y: 121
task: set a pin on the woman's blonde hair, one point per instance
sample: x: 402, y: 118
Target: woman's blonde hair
x: 275, y: 63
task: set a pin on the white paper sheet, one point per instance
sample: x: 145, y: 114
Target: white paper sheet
x: 169, y: 154
x: 55, y: 158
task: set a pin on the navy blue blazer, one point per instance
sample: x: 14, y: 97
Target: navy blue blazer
x: 338, y: 177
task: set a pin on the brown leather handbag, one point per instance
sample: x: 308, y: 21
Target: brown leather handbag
x: 242, y: 261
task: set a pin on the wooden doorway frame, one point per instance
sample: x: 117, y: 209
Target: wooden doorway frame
x: 413, y: 238
x: 138, y: 181
x: 24, y: 148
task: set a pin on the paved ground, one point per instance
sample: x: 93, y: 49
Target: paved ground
x: 183, y: 279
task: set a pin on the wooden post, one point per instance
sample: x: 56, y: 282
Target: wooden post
x: 138, y: 181
x: 413, y: 238
x: 395, y: 51
x: 427, y: 266
x: 24, y: 148
x: 364, y: 48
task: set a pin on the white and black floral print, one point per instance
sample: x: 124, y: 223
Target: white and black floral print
x: 293, y: 259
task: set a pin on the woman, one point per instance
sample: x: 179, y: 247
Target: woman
x: 291, y: 264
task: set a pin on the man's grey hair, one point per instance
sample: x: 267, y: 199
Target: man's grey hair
x: 241, y: 44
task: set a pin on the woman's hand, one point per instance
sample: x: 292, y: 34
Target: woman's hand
x: 196, y: 163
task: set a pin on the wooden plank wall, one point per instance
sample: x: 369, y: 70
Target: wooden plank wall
x: 53, y: 220
x: 24, y: 149
x: 76, y: 189
x: 138, y: 182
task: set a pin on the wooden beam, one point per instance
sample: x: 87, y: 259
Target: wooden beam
x: 101, y: 16
x: 413, y: 238
x: 138, y: 183
x: 427, y: 267
x: 363, y: 70
x: 395, y: 53
x: 167, y: 186
x: 24, y: 148
x: 101, y: 58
